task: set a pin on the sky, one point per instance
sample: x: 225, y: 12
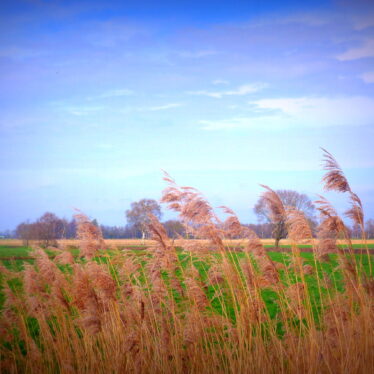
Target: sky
x: 98, y: 97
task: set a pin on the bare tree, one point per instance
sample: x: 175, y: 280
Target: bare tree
x: 26, y: 232
x: 49, y: 228
x: 262, y: 230
x: 137, y: 216
x: 355, y: 231
x: 289, y: 198
x: 369, y: 228
x: 70, y: 229
x: 174, y: 228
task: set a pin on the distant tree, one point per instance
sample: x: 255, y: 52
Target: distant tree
x: 289, y: 198
x: 7, y: 234
x: 49, y: 228
x: 25, y: 231
x: 70, y: 229
x: 369, y: 229
x: 263, y: 230
x: 137, y: 216
x: 355, y: 231
x: 114, y: 232
x: 174, y: 228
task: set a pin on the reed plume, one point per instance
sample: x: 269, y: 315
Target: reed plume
x: 274, y: 204
x: 64, y: 258
x: 89, y: 236
x: 356, y: 212
x: 194, y: 211
x: 207, y: 307
x: 329, y: 229
x: 334, y: 179
x: 297, y: 226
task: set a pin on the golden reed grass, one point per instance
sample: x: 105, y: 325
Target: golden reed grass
x: 200, y: 310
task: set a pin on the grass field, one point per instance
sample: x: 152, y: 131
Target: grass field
x: 213, y: 302
x: 14, y: 258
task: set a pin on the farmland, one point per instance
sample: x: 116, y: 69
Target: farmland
x: 18, y: 244
x: 171, y: 310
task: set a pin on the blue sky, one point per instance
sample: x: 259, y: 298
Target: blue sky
x: 97, y: 97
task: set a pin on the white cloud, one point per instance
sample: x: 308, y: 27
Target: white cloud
x: 322, y: 111
x: 164, y: 107
x: 153, y: 108
x: 112, y: 93
x: 240, y: 91
x: 116, y: 93
x: 366, y: 50
x: 300, y: 112
x: 368, y: 77
x: 217, y: 95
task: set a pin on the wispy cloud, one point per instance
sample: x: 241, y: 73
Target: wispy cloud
x: 366, y: 50
x: 282, y: 113
x: 155, y: 108
x: 112, y: 93
x: 96, y: 80
x: 315, y: 19
x: 240, y: 91
x: 364, y: 21
x: 368, y: 77
x: 322, y: 111
x: 20, y: 53
x: 163, y: 107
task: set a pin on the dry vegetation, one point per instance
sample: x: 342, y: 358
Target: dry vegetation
x: 200, y: 310
x: 126, y: 243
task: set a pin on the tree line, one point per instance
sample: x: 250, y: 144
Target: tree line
x: 49, y: 227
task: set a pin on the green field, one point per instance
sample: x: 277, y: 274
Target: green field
x: 93, y: 307
x: 11, y: 257
x: 21, y: 251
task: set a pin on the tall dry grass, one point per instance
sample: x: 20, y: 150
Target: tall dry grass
x: 201, y: 310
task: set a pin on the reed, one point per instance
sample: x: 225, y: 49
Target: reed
x: 203, y: 309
